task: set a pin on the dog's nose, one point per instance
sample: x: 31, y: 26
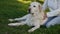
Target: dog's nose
x: 29, y: 10
x: 32, y: 13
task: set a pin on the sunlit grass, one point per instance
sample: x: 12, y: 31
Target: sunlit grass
x: 24, y: 1
x: 41, y: 0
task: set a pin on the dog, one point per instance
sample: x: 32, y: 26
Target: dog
x: 33, y: 18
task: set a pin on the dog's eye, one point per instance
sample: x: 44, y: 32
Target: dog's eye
x: 34, y: 6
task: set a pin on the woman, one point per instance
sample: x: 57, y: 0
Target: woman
x: 54, y: 14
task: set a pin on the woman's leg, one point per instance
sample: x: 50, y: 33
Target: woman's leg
x: 54, y: 21
x: 49, y: 19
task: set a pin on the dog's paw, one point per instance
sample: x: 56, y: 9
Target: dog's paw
x: 30, y: 30
x: 14, y: 24
x: 11, y: 24
x: 11, y: 19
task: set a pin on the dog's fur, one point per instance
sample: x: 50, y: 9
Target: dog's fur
x: 34, y: 18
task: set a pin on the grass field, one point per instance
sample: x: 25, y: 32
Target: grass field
x: 15, y: 9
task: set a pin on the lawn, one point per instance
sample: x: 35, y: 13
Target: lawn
x: 15, y: 9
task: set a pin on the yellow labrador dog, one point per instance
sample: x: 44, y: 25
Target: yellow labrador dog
x: 34, y: 18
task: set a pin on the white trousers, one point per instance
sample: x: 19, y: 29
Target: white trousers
x: 52, y: 21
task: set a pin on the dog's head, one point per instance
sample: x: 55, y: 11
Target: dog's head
x: 34, y: 7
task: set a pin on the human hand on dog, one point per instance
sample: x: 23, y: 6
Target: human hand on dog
x: 44, y: 16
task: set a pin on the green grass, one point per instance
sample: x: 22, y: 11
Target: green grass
x: 15, y: 9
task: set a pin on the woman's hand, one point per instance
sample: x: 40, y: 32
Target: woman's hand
x: 44, y: 16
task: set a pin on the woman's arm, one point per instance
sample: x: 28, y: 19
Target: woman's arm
x: 43, y: 8
x: 53, y: 13
x: 44, y: 5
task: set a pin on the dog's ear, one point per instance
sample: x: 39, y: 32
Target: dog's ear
x: 42, y: 12
x: 40, y: 7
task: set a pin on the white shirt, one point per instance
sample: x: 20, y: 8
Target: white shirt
x: 53, y: 5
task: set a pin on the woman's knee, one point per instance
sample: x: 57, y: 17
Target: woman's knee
x: 53, y: 22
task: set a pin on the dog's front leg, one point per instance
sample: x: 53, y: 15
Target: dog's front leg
x: 22, y: 18
x: 17, y: 19
x: 34, y: 28
x: 16, y: 24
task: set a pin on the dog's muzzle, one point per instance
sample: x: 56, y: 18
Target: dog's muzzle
x: 29, y: 11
